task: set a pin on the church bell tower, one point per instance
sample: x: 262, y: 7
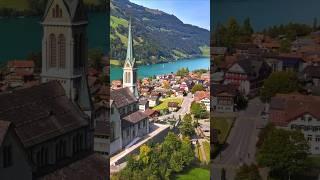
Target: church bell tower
x: 64, y: 49
x: 129, y: 69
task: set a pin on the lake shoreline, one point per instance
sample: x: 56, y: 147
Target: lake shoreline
x: 162, y: 62
x: 163, y: 68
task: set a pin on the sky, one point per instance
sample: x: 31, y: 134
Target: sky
x: 195, y: 12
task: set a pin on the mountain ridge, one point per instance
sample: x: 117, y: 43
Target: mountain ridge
x: 158, y: 36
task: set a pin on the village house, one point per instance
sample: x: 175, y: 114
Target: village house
x: 154, y: 100
x: 152, y: 114
x: 173, y: 106
x: 203, y: 97
x: 298, y: 112
x: 143, y: 104
x: 20, y: 71
x: 116, y: 84
x: 248, y: 75
x: 311, y: 77
x: 17, y: 66
x: 223, y: 97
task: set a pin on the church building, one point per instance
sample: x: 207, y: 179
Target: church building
x: 46, y: 131
x: 128, y: 124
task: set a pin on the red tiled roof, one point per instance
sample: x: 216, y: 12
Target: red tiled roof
x: 199, y: 95
x: 285, y: 108
x: 21, y: 64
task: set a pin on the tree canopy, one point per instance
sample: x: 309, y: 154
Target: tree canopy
x: 160, y: 161
x: 186, y: 127
x: 199, y: 110
x: 183, y: 72
x: 248, y: 172
x: 197, y: 87
x: 284, y: 152
x: 278, y: 82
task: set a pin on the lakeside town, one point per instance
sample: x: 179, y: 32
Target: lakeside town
x: 265, y: 101
x: 170, y: 112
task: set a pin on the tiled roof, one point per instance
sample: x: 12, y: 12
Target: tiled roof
x: 94, y: 166
x: 4, y: 126
x: 173, y: 104
x: 222, y: 88
x: 122, y: 97
x: 21, y: 64
x: 149, y: 112
x: 135, y: 117
x: 287, y: 107
x: 41, y: 113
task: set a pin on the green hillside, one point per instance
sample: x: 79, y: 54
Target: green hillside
x: 36, y: 7
x: 158, y: 36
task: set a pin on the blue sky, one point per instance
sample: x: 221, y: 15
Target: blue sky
x: 195, y: 12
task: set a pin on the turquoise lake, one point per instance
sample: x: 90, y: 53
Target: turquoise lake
x: 20, y: 36
x: 164, y: 68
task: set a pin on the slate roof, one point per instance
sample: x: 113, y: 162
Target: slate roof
x: 41, y: 113
x: 222, y: 88
x: 122, y: 97
x: 287, y: 107
x: 4, y: 127
x: 95, y: 166
x: 133, y: 118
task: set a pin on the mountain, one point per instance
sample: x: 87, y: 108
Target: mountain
x: 158, y: 36
x: 12, y: 8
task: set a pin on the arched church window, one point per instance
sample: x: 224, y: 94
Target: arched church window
x: 57, y: 12
x: 62, y: 51
x: 52, y: 51
x: 75, y: 51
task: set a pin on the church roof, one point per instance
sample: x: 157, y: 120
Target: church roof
x: 129, y: 56
x: 122, y: 97
x: 41, y: 113
x: 4, y: 127
x: 133, y: 118
x: 73, y: 8
x: 94, y: 166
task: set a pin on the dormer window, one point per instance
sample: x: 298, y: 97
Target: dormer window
x: 57, y: 12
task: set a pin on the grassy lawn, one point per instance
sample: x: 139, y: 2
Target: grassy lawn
x: 206, y: 146
x: 314, y: 161
x: 194, y: 174
x: 164, y: 103
x: 224, y: 125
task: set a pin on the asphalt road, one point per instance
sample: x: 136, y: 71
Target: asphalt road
x: 185, y: 108
x: 241, y: 142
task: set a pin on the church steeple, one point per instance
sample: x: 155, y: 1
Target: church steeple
x: 130, y: 44
x: 129, y: 69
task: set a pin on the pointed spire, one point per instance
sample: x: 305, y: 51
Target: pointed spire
x: 130, y: 44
